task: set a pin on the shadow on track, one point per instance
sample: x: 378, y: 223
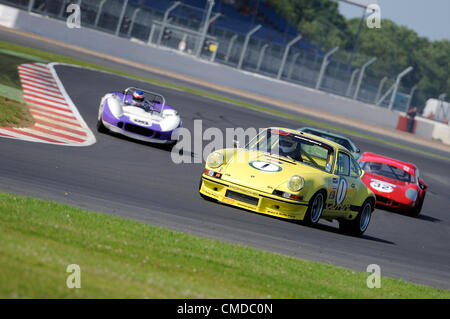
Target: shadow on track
x: 164, y: 147
x: 321, y: 227
x: 335, y: 230
x: 420, y: 217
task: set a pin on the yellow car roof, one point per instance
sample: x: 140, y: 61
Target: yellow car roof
x: 313, y: 137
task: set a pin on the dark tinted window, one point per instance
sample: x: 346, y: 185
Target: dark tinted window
x: 341, y: 141
x: 355, y: 170
x: 343, y: 164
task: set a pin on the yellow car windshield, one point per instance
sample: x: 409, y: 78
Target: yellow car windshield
x: 294, y: 147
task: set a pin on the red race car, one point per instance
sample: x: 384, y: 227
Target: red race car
x: 396, y: 184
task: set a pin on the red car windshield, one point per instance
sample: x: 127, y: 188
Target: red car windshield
x: 388, y: 171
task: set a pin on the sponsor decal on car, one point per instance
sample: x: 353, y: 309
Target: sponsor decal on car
x: 335, y: 182
x: 243, y: 190
x: 332, y: 194
x: 339, y: 207
x: 138, y: 121
x: 228, y: 201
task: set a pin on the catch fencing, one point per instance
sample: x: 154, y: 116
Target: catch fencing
x: 249, y: 46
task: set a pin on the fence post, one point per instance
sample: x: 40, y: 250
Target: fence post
x: 352, y: 78
x: 122, y: 15
x: 152, y: 32
x: 324, y: 66
x: 99, y: 12
x: 205, y: 29
x: 214, y: 18
x: 385, y: 94
x: 397, y: 83
x: 286, y: 52
x: 441, y: 99
x: 380, y: 88
x: 261, y: 56
x: 361, y: 75
x: 411, y: 93
x: 294, y: 61
x: 30, y: 5
x: 164, y: 22
x: 230, y: 46
x: 244, y: 49
x: 63, y: 7
x: 133, y: 18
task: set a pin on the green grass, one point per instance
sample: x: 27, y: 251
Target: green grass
x: 11, y: 93
x: 303, y: 120
x: 120, y: 258
x: 8, y: 64
x: 24, y: 56
x: 14, y: 114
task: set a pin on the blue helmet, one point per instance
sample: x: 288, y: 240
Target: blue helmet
x: 138, y: 95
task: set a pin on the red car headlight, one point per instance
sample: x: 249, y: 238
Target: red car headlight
x: 411, y: 193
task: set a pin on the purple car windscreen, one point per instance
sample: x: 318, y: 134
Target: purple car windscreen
x: 129, y: 98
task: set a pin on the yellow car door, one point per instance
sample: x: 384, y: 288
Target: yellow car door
x: 346, y: 188
x: 356, y: 183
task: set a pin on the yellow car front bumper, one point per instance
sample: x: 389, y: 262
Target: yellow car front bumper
x: 253, y: 200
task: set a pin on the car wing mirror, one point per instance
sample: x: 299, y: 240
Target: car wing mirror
x: 362, y: 173
x: 422, y: 184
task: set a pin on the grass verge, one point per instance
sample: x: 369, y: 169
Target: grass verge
x: 63, y: 59
x: 120, y: 258
x: 13, y: 111
x: 8, y: 64
x: 14, y: 114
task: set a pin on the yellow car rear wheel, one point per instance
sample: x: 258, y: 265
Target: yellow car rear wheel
x: 358, y: 225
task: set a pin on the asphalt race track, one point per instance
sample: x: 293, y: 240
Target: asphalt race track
x: 139, y: 181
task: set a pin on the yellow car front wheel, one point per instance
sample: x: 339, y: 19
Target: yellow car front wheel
x: 315, y: 208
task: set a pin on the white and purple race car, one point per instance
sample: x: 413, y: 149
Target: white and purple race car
x: 138, y: 114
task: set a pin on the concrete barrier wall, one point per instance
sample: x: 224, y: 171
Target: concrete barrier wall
x: 424, y: 129
x: 8, y: 16
x: 211, y: 72
x: 432, y: 129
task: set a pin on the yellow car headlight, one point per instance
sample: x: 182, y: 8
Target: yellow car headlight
x: 295, y: 183
x: 214, y: 160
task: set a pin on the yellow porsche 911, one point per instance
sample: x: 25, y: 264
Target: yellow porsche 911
x: 294, y: 175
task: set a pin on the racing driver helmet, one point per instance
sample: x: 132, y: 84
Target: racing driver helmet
x: 287, y: 145
x: 138, y: 96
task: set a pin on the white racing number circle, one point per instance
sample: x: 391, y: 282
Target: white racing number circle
x: 265, y: 166
x: 382, y: 187
x: 342, y: 191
